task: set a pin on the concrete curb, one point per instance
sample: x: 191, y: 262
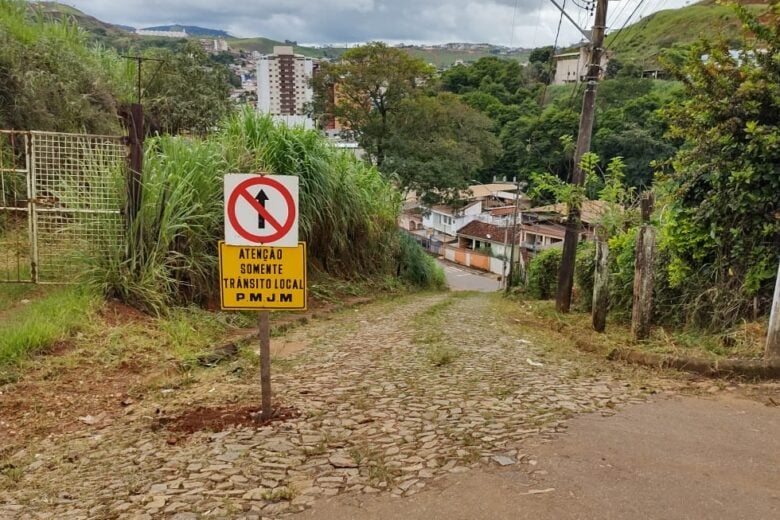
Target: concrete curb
x: 751, y: 368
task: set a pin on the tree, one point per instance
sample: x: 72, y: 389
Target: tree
x: 372, y: 81
x: 722, y: 228
x: 438, y: 145
x: 541, y: 55
x: 187, y: 92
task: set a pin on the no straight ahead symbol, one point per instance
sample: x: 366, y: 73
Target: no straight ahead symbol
x: 261, y: 210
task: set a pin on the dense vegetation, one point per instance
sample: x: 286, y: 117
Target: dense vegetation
x: 54, y: 77
x: 49, y: 80
x: 432, y: 143
x: 348, y: 214
x: 721, y: 227
x: 718, y: 202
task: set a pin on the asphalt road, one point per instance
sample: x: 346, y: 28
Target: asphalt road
x: 680, y: 459
x: 460, y: 278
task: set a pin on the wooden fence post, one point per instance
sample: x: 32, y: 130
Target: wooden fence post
x: 601, y: 281
x: 773, y: 334
x: 642, y: 305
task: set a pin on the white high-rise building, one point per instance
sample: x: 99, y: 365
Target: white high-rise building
x: 283, y: 86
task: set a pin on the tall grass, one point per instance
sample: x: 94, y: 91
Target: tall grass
x: 40, y: 324
x: 348, y: 213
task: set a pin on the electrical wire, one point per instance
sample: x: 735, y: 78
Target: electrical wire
x: 641, y: 15
x: 552, y: 57
x: 512, y: 36
x: 616, y: 15
x: 616, y: 39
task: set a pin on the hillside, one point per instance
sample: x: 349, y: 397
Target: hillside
x: 440, y: 56
x: 99, y: 30
x: 446, y: 57
x: 645, y: 40
x: 192, y: 30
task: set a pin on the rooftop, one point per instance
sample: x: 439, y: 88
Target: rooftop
x: 483, y: 231
x: 486, y: 190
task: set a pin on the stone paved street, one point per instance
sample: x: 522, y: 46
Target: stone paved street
x: 392, y: 396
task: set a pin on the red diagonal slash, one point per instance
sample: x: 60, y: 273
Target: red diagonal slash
x: 260, y: 209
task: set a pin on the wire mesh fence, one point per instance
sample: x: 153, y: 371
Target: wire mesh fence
x: 15, y: 225
x: 67, y: 192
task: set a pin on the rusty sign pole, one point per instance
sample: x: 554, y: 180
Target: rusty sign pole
x: 265, y: 366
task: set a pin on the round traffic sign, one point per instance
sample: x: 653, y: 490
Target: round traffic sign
x: 280, y: 226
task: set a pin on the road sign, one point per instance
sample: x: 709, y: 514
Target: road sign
x: 261, y: 210
x: 262, y: 277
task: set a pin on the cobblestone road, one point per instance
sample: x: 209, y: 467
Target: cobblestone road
x: 392, y: 396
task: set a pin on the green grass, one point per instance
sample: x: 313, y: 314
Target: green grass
x: 43, y: 322
x: 542, y: 324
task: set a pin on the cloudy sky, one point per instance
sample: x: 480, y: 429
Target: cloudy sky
x: 519, y: 23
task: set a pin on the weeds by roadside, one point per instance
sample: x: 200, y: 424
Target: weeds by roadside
x: 38, y: 325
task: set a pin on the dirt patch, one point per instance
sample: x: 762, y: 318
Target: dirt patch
x: 115, y: 313
x: 60, y: 348
x: 285, y: 349
x: 216, y: 419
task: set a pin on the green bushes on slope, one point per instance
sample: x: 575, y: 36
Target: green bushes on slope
x: 49, y: 79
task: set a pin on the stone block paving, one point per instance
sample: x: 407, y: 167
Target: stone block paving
x: 377, y: 416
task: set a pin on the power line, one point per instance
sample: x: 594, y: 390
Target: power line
x: 641, y: 15
x: 615, y: 40
x: 552, y: 56
x: 512, y: 36
x: 617, y: 14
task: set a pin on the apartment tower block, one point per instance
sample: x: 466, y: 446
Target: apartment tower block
x: 283, y: 88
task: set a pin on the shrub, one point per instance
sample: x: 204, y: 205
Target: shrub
x: 543, y: 273
x: 416, y: 267
x: 622, y: 256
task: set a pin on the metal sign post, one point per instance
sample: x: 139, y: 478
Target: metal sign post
x: 262, y: 265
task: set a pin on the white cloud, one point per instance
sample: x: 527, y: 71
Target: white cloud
x: 345, y: 21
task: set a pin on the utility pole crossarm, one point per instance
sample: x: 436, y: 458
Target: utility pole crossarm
x: 585, y: 33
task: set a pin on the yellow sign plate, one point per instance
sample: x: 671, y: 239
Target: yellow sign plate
x: 262, y: 277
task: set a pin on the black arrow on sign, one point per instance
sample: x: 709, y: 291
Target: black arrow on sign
x: 261, y: 197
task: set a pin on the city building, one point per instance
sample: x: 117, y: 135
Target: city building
x: 572, y: 67
x: 283, y: 86
x: 162, y: 34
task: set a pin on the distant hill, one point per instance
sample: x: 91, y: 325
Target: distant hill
x: 447, y: 56
x: 644, y: 40
x: 441, y: 56
x: 192, y: 30
x: 98, y: 29
x: 266, y: 46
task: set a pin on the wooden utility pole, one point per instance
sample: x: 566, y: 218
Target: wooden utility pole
x: 601, y: 281
x: 773, y: 334
x: 642, y: 302
x: 135, y: 141
x: 135, y: 175
x: 510, y: 277
x: 573, y: 224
